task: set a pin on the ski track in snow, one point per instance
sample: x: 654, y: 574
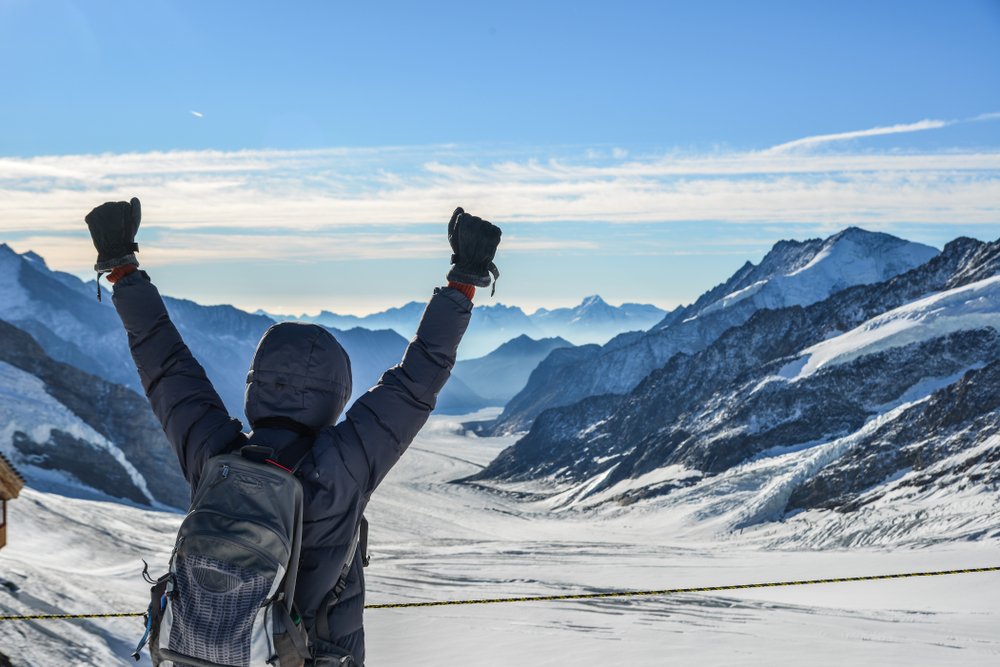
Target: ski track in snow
x: 432, y: 540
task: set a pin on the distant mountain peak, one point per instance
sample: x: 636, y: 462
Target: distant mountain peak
x: 524, y: 341
x: 501, y: 308
x: 855, y: 232
x: 592, y: 300
x: 34, y: 258
x: 863, y: 236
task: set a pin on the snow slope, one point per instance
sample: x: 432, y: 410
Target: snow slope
x: 973, y: 306
x: 432, y: 540
x: 852, y: 257
x: 25, y: 407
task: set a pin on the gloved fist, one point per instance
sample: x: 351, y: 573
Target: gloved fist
x: 112, y: 227
x: 474, y: 244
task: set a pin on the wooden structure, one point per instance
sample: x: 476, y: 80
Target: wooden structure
x: 11, y: 484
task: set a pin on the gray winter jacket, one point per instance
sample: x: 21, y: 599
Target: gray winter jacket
x: 347, y: 461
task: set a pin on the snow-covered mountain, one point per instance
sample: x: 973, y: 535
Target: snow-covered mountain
x: 793, y: 273
x: 906, y: 368
x: 403, y: 319
x: 592, y: 321
x: 504, y: 371
x: 62, y: 313
x: 596, y: 321
x: 70, y: 431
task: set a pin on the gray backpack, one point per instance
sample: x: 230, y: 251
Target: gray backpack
x: 227, y: 599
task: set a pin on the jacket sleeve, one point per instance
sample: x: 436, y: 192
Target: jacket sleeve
x: 383, y: 422
x: 189, y: 409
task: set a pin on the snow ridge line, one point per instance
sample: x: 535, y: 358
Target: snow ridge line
x: 585, y: 596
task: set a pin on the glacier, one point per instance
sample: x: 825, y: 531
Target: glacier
x: 433, y: 540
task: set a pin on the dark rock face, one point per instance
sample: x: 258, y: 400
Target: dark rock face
x: 559, y: 450
x: 114, y: 411
x: 714, y: 409
x: 93, y: 466
x: 951, y: 422
x: 729, y: 429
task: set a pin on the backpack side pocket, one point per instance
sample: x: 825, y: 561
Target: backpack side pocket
x: 154, y: 616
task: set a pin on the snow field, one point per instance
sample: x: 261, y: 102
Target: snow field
x: 432, y: 540
x: 910, y: 622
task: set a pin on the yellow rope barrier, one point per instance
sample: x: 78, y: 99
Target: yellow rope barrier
x: 675, y: 591
x: 579, y: 596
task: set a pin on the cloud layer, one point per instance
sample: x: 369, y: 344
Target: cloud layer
x: 325, y: 202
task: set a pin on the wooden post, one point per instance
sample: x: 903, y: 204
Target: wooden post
x: 11, y: 484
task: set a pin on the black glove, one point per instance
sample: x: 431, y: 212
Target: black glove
x: 473, y: 243
x: 112, y: 227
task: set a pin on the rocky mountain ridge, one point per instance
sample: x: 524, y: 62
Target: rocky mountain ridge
x: 792, y: 273
x: 752, y: 393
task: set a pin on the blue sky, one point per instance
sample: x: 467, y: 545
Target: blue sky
x: 305, y: 155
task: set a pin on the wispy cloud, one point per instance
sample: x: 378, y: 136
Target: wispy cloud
x: 900, y: 128
x: 197, y: 114
x: 809, y: 142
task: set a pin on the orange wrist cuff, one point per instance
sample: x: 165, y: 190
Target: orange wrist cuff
x: 468, y: 290
x: 120, y: 272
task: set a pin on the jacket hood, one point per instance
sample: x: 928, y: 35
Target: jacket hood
x: 299, y: 372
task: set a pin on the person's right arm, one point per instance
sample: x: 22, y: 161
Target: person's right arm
x: 189, y: 409
x: 192, y: 414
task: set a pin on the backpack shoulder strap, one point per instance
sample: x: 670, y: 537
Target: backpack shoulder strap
x: 292, y: 456
x: 323, y: 613
x: 363, y: 542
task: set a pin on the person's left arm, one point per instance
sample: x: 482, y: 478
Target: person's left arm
x: 383, y: 422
